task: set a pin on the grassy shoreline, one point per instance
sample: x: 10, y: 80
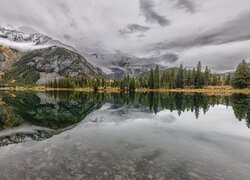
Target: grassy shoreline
x: 223, y: 90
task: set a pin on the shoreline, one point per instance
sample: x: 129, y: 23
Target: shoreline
x: 218, y: 90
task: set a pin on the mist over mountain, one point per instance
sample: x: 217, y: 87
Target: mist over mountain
x: 24, y: 41
x: 191, y: 30
x: 129, y: 38
x: 37, y: 58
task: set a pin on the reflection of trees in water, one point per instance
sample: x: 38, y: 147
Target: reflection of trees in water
x: 241, y: 106
x: 195, y: 103
x: 60, y: 109
x: 55, y: 110
x: 179, y: 101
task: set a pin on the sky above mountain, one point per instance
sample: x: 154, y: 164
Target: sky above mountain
x: 216, y: 32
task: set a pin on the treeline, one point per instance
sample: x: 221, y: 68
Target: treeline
x: 169, y: 79
x: 183, y: 78
x: 80, y: 82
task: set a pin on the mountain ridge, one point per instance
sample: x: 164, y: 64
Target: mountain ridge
x: 32, y: 60
x: 42, y: 65
x: 28, y: 41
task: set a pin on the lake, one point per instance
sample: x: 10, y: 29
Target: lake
x: 74, y: 135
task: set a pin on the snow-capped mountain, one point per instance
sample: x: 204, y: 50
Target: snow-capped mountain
x: 35, y: 46
x: 28, y: 41
x: 119, y: 63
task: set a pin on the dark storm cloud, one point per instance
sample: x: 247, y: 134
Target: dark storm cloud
x: 234, y: 30
x: 169, y: 57
x: 147, y: 9
x: 188, y: 5
x: 133, y: 28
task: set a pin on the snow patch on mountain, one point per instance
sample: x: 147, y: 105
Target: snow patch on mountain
x: 28, y: 41
x: 21, y: 46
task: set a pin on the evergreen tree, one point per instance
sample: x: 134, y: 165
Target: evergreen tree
x: 151, y: 79
x: 163, y: 80
x: 228, y: 80
x: 198, y: 83
x: 180, y: 77
x: 132, y: 85
x: 242, y: 75
x: 172, y: 79
x: 206, y: 76
x: 157, y: 78
x: 215, y: 80
x: 193, y: 77
x: 189, y: 78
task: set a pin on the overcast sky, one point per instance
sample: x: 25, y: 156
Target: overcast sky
x: 216, y: 32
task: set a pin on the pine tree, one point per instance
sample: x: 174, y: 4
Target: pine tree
x: 198, y: 82
x: 172, y: 79
x: 206, y: 76
x: 157, y: 78
x: 132, y: 85
x: 228, y: 80
x: 193, y: 76
x: 189, y: 81
x: 180, y: 77
x: 214, y: 80
x: 151, y: 79
x: 242, y: 75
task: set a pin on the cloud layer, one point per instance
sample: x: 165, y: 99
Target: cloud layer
x: 133, y: 28
x: 173, y: 31
x: 147, y: 9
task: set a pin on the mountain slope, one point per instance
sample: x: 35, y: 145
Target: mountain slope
x: 8, y: 57
x: 37, y: 47
x: 42, y: 65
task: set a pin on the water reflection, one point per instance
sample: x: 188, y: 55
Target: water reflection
x: 124, y: 136
x: 181, y: 102
x: 59, y: 110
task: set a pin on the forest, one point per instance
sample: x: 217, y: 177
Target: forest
x: 172, y: 78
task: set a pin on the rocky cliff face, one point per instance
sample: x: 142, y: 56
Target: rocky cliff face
x: 8, y: 57
x: 42, y: 65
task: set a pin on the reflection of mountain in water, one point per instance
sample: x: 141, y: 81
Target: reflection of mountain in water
x: 55, y: 111
x: 46, y: 114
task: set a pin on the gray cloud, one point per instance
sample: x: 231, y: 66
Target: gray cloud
x: 169, y: 57
x: 91, y: 25
x: 147, y: 9
x: 234, y: 30
x: 133, y: 28
x: 141, y: 35
x: 188, y: 5
x: 27, y: 29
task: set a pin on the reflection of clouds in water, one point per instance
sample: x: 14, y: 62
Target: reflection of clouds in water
x: 124, y: 113
x: 126, y: 139
x: 165, y: 116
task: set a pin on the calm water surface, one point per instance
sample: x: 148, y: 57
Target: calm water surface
x: 69, y: 135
